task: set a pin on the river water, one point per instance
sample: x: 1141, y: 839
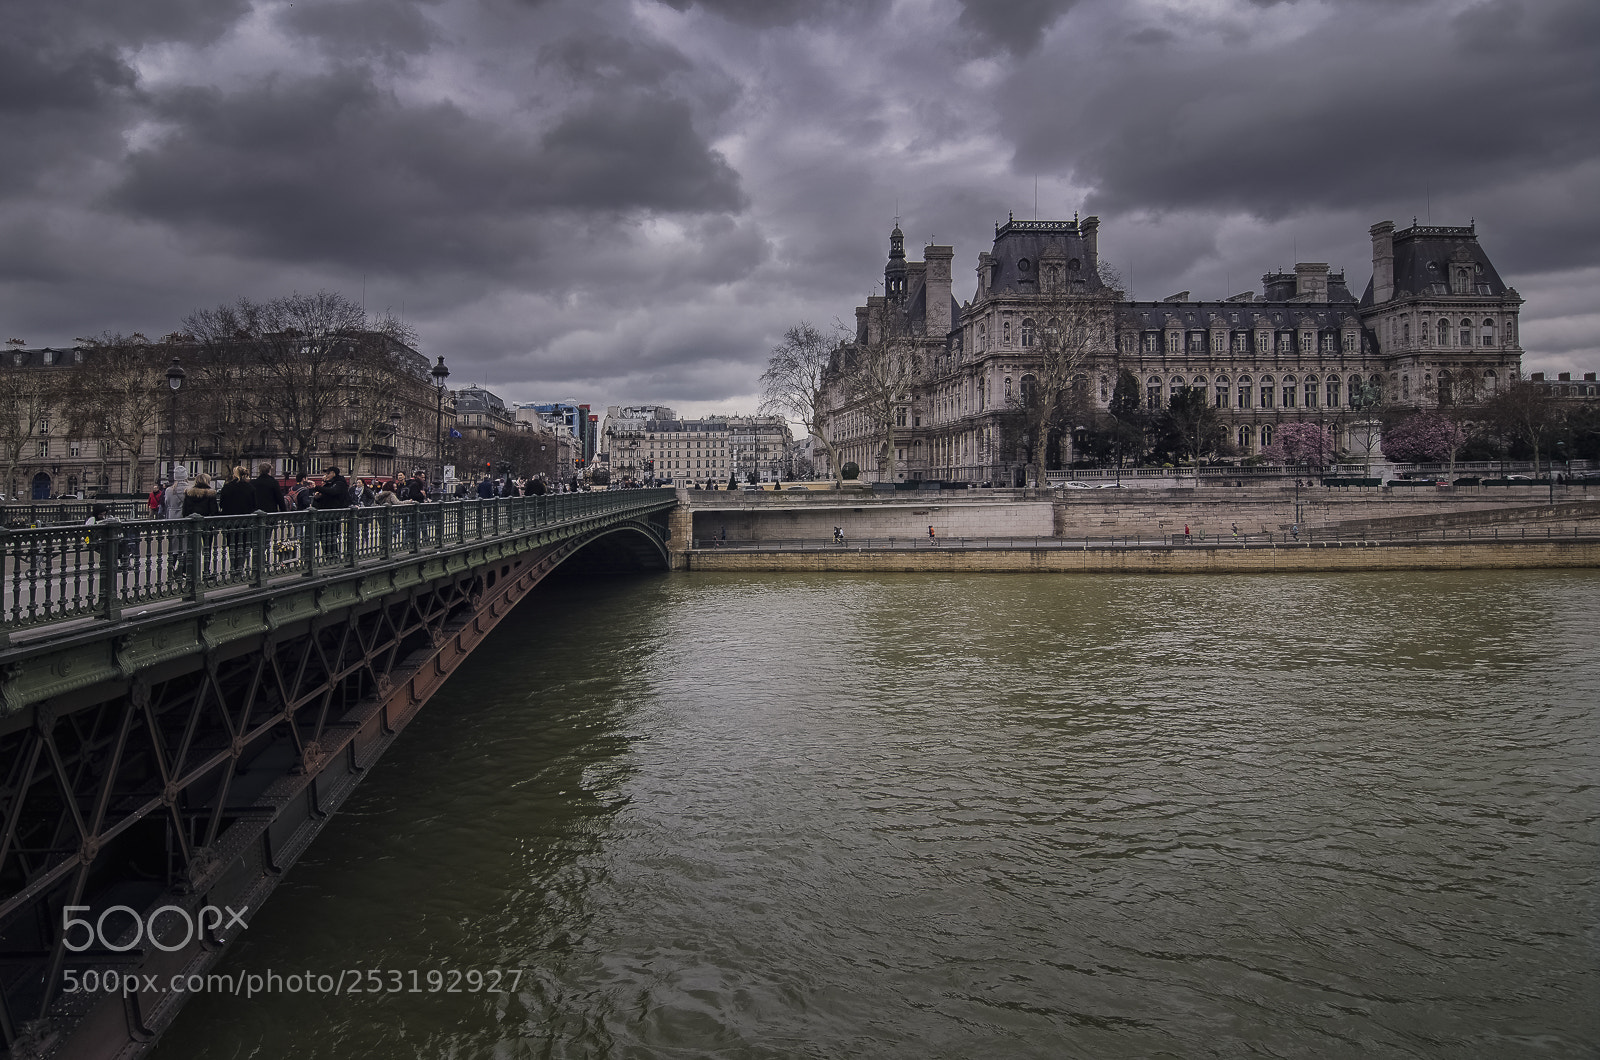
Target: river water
x: 911, y: 816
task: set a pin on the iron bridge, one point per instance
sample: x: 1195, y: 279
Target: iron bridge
x: 184, y: 703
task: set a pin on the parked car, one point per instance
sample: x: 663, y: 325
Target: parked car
x: 1075, y: 486
x: 1109, y: 486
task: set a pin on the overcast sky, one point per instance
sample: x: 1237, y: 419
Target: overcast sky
x: 622, y: 201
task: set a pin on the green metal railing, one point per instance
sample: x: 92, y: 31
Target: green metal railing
x: 51, y: 573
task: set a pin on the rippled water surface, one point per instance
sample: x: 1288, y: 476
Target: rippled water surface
x: 983, y: 816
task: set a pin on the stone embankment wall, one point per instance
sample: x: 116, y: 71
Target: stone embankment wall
x: 757, y: 517
x: 1193, y: 559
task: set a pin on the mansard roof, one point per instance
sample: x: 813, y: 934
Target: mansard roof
x: 1423, y: 255
x: 1020, y: 247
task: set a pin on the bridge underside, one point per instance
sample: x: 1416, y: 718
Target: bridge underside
x: 197, y: 775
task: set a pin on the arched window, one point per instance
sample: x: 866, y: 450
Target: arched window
x: 1489, y: 381
x: 1333, y: 391
x: 1311, y: 392
x: 1267, y: 395
x: 1289, y: 391
x: 1446, y: 389
x: 1152, y: 393
x: 1030, y: 389
x: 1244, y: 439
x: 1354, y: 393
x: 1222, y: 392
x: 1266, y: 435
x: 1466, y: 332
x: 1444, y: 332
x: 1244, y: 391
x: 1027, y: 333
x: 1488, y: 332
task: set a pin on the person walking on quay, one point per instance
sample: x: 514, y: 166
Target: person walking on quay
x: 1294, y: 531
x: 1236, y: 531
x: 932, y: 536
x: 158, y: 499
x: 838, y: 535
x: 238, y: 498
x: 1186, y: 533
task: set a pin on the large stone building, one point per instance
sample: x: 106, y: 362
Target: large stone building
x: 649, y: 443
x: 1435, y: 326
x: 98, y: 420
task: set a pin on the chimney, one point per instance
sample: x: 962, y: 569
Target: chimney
x: 1382, y: 261
x: 936, y: 281
x: 1564, y: 377
x: 1090, y: 227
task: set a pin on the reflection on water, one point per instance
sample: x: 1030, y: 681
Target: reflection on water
x: 999, y: 816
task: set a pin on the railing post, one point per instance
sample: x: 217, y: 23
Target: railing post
x: 196, y: 562
x: 438, y: 541
x: 309, y: 544
x: 386, y: 528
x: 259, y: 534
x: 109, y: 546
x: 480, y: 519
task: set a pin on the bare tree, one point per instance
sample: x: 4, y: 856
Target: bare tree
x: 1069, y: 327
x: 314, y: 364
x: 1525, y: 412
x: 878, y: 373
x: 795, y: 385
x: 115, y: 393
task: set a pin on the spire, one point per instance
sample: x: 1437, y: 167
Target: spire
x: 894, y: 273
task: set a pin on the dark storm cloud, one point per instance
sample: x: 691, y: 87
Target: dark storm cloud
x: 764, y: 14
x: 337, y: 168
x: 1345, y: 113
x: 387, y: 29
x: 1017, y: 26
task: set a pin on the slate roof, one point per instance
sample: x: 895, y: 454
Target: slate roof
x: 1423, y: 254
x: 1236, y: 316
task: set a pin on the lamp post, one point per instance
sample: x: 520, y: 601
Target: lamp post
x: 440, y: 373
x: 490, y: 436
x: 1560, y: 449
x: 174, y: 384
x: 394, y: 440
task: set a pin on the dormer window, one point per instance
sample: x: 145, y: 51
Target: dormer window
x: 1023, y: 265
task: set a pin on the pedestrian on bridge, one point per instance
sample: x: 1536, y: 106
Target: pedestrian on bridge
x: 238, y: 498
x: 932, y: 537
x: 268, y: 494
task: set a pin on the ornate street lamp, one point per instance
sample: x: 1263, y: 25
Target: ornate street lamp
x: 440, y: 373
x: 394, y: 439
x: 174, y: 384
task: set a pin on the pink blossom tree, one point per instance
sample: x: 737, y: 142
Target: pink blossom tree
x: 1427, y: 436
x: 1300, y: 443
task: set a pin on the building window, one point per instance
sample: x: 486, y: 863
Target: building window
x: 1263, y: 342
x: 1244, y: 392
x: 1489, y: 381
x: 1308, y: 342
x: 1172, y: 342
x: 1444, y: 332
x: 1488, y: 333
x: 1244, y: 439
x: 899, y: 417
x: 1266, y: 392
x: 1222, y: 393
x: 44, y: 448
x: 1027, y: 333
x: 1219, y: 342
x: 72, y: 449
x: 1333, y: 391
x: 1466, y: 332
x: 44, y: 425
x: 1266, y: 435
x: 1152, y: 393
x: 1349, y: 342
x: 1288, y: 393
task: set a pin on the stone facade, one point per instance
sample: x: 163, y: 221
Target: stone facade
x: 1436, y: 327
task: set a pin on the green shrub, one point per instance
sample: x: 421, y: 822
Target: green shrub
x: 850, y: 470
